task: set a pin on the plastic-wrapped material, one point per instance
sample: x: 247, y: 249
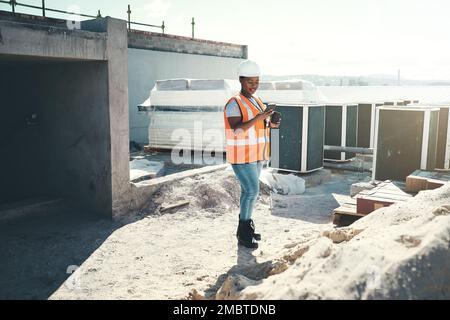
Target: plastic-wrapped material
x: 290, y: 91
x: 266, y: 86
x: 287, y: 184
x: 146, y: 103
x: 190, y: 119
x: 172, y: 84
x: 189, y: 98
x: 144, y: 106
x: 289, y: 85
x: 208, y: 84
x: 187, y: 130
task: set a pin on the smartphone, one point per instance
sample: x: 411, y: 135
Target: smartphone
x: 275, y: 117
x: 271, y: 106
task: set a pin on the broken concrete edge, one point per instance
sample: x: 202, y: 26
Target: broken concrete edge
x: 80, y: 33
x: 141, y: 192
x: 59, y: 43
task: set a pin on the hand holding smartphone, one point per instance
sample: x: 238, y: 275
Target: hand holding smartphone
x: 275, y: 117
x: 271, y: 106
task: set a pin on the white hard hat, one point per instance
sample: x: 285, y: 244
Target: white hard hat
x: 249, y: 68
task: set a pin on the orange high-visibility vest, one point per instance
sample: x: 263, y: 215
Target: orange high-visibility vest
x: 252, y: 144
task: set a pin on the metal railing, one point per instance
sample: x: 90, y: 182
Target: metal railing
x: 14, y: 4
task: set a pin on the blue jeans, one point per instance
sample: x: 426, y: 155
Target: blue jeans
x: 248, y: 175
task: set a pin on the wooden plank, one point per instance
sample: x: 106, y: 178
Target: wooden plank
x: 347, y: 208
x: 174, y: 205
x: 434, y: 184
x: 150, y: 149
x: 384, y: 195
x: 415, y: 183
x: 426, y: 180
x: 387, y: 197
x: 345, y: 219
x: 368, y: 205
x: 347, y: 211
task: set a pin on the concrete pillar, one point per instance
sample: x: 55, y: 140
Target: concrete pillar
x: 117, y: 57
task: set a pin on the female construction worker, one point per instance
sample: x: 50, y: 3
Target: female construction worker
x: 247, y: 145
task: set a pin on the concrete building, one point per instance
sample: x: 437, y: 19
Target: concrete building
x: 64, y: 113
x: 65, y: 105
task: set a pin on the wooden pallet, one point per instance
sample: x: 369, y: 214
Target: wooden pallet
x: 383, y: 195
x: 150, y: 149
x: 426, y: 180
x: 343, y: 219
x: 346, y: 214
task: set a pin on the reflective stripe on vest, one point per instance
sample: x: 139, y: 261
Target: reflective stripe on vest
x: 252, y: 144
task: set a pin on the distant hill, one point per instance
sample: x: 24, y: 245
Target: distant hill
x: 369, y: 80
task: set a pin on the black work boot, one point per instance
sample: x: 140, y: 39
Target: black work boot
x: 256, y: 236
x: 245, y: 234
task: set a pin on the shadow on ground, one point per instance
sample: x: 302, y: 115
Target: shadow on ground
x: 246, y: 266
x: 38, y: 253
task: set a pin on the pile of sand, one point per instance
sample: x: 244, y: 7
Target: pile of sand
x: 399, y: 252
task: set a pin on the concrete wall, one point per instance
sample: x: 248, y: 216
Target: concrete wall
x: 50, y: 42
x: 171, y: 43
x: 147, y: 66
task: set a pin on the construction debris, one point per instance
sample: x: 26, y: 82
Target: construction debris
x: 173, y: 206
x: 346, y: 214
x: 384, y: 195
x: 367, y: 197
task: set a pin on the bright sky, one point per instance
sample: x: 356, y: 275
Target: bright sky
x: 328, y: 37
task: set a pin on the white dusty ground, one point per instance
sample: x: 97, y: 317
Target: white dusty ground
x: 166, y: 256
